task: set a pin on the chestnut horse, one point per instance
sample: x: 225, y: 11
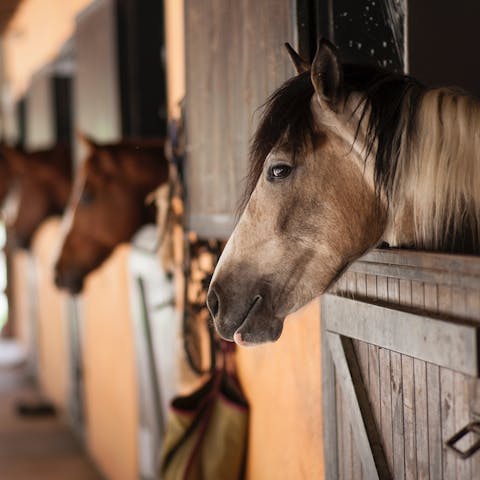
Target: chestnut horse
x: 40, y: 184
x: 344, y: 158
x: 108, y: 205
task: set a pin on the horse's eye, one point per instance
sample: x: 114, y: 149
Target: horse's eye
x: 87, y: 197
x: 279, y: 171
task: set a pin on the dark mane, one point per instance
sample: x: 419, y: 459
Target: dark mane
x: 287, y: 117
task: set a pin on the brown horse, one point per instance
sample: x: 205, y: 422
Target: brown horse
x: 345, y: 157
x: 108, y: 205
x: 39, y: 188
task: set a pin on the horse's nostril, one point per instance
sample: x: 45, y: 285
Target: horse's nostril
x: 213, y: 303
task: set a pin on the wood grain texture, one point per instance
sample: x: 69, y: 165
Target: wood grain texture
x: 417, y: 405
x: 230, y: 74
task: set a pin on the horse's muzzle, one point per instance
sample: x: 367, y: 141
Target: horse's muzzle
x: 245, y: 323
x: 69, y: 280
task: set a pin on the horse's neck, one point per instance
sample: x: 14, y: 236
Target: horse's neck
x: 436, y: 198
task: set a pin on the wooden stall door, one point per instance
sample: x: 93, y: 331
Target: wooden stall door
x: 235, y: 59
x: 400, y: 358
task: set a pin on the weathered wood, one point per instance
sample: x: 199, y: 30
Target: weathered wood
x: 330, y: 444
x: 410, y: 447
x: 386, y: 405
x: 443, y: 262
x: 433, y: 397
x: 357, y: 408
x: 230, y: 74
x: 429, y: 401
x: 453, y: 345
x: 410, y: 439
x: 398, y: 446
x: 421, y: 418
x: 448, y: 421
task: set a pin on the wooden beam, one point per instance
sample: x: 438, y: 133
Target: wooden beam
x: 329, y: 400
x: 358, y: 411
x: 212, y: 226
x: 449, y: 344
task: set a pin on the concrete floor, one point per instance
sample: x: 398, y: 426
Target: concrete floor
x: 36, y: 448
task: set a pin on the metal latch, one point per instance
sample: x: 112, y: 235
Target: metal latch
x: 472, y: 427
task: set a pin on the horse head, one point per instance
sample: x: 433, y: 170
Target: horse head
x: 108, y: 205
x: 313, y: 204
x: 39, y: 188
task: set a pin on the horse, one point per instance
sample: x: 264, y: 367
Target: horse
x: 345, y: 157
x: 39, y: 187
x: 107, y: 205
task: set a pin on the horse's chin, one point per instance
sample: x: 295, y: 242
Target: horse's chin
x: 249, y: 338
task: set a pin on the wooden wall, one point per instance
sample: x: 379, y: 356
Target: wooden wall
x: 235, y: 58
x: 421, y: 381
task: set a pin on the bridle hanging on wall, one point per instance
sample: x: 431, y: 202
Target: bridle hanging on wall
x: 200, y: 342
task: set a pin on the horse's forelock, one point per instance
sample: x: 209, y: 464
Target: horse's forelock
x: 286, y: 118
x: 389, y: 107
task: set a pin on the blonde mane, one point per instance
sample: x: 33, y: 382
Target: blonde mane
x: 438, y: 170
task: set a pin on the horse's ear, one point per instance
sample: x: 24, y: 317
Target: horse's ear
x: 327, y: 74
x: 299, y: 63
x: 87, y: 141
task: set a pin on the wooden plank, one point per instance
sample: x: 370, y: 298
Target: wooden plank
x: 386, y: 420
x: 410, y: 440
x: 362, y: 347
x: 433, y: 397
x: 462, y: 418
x: 397, y: 416
x: 434, y: 417
x: 410, y: 445
x: 421, y: 418
x: 357, y: 408
x: 340, y: 432
x: 452, y: 263
x: 329, y: 401
x: 448, y: 421
x: 361, y: 352
x: 398, y: 445
x: 212, y: 226
x: 462, y: 393
x: 472, y: 305
x: 452, y: 345
x: 373, y: 361
x: 440, y: 277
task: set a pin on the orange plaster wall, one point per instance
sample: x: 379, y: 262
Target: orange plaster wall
x: 51, y: 317
x: 109, y: 369
x: 21, y: 264
x: 283, y: 384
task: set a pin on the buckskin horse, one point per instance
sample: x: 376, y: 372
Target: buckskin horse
x: 39, y: 187
x: 108, y: 205
x: 345, y: 157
